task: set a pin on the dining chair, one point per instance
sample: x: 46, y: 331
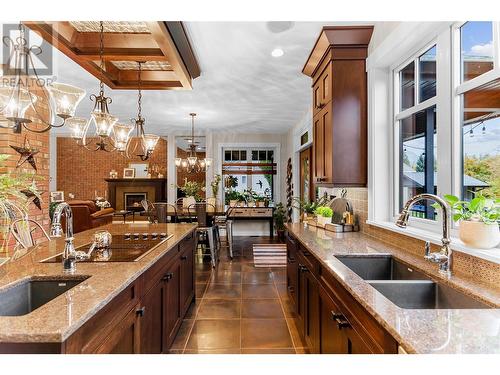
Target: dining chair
x: 206, y: 231
x: 22, y: 230
x: 150, y: 211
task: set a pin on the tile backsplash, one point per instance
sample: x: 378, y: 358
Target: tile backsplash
x: 464, y: 264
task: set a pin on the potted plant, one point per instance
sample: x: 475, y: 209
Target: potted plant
x: 191, y: 189
x: 215, y: 184
x: 17, y: 191
x: 279, y: 216
x: 324, y: 215
x: 260, y: 201
x: 307, y: 207
x: 478, y: 219
x: 232, y: 197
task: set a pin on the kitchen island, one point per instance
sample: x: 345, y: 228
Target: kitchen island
x: 342, y: 312
x: 115, y: 307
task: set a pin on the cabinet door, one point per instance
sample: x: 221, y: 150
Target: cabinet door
x: 292, y: 270
x: 318, y: 147
x: 328, y: 143
x: 152, y: 320
x: 187, y: 276
x: 125, y: 337
x: 332, y: 338
x: 172, y: 305
x: 309, y: 307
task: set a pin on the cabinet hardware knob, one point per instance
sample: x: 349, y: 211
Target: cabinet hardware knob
x: 340, y: 319
x: 184, y: 257
x: 291, y: 289
x: 291, y: 260
x: 167, y: 276
x: 140, y: 312
x: 303, y: 268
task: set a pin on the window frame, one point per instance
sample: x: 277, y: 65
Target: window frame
x: 398, y: 115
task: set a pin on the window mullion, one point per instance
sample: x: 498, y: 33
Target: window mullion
x: 417, y: 80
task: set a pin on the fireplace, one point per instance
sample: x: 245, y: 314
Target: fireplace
x: 133, y: 200
x: 154, y: 188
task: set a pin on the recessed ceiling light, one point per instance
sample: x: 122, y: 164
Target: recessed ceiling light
x: 277, y: 52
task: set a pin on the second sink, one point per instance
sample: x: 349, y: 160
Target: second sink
x: 380, y: 267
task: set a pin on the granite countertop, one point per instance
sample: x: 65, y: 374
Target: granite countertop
x: 417, y: 331
x: 59, y: 318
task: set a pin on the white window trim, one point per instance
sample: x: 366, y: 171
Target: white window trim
x: 382, y: 187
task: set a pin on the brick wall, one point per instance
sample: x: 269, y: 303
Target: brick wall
x: 198, y: 177
x: 82, y: 172
x: 41, y: 142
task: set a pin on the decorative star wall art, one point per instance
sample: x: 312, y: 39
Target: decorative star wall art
x: 36, y: 200
x: 27, y: 154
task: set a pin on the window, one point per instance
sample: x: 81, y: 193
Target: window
x: 427, y: 75
x: 481, y: 141
x: 416, y: 131
x: 417, y: 167
x: 476, y: 49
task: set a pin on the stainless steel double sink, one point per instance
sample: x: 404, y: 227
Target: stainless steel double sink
x: 405, y: 286
x: 28, y: 295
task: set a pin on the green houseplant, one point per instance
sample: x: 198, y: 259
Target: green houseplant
x: 279, y: 216
x: 307, y: 207
x: 324, y: 215
x: 192, y: 191
x: 478, y: 219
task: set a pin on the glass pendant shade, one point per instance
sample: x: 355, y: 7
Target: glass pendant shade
x: 208, y: 162
x: 202, y: 163
x: 184, y: 163
x: 15, y: 102
x: 150, y: 141
x: 192, y: 160
x: 78, y: 127
x: 121, y: 135
x: 104, y: 123
x: 66, y: 98
x: 178, y: 162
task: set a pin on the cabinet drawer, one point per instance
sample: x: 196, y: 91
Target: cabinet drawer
x: 157, y: 270
x: 308, y: 259
x: 262, y: 212
x: 241, y: 212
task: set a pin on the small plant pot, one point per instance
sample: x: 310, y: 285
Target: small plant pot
x: 479, y: 235
x: 324, y: 220
x: 261, y: 204
x: 281, y: 234
x: 211, y: 204
x: 188, y: 201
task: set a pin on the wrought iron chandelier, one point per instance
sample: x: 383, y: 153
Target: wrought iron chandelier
x: 142, y: 142
x: 192, y: 164
x: 103, y: 122
x: 17, y: 91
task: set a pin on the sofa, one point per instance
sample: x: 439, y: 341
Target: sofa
x: 86, y: 215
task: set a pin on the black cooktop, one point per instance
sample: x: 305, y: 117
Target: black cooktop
x: 124, y: 248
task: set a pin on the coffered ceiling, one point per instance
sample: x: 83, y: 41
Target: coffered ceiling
x: 241, y: 88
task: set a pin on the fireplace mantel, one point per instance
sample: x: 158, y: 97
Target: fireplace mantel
x: 156, y: 185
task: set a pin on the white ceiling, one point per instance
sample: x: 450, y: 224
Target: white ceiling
x: 242, y: 88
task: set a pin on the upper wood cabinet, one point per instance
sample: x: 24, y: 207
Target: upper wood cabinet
x: 338, y: 71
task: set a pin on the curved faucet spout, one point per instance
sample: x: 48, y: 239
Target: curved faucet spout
x: 69, y: 254
x: 444, y: 257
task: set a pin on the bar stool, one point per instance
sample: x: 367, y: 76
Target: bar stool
x: 205, y: 230
x: 225, y: 224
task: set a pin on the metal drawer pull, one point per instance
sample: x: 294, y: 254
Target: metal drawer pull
x: 290, y: 260
x: 340, y: 319
x: 167, y: 276
x: 303, y: 268
x: 140, y: 312
x: 184, y: 257
x: 291, y: 289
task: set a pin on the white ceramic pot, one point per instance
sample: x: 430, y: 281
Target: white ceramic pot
x: 211, y: 204
x: 233, y: 203
x: 479, y: 235
x: 324, y: 220
x: 188, y: 201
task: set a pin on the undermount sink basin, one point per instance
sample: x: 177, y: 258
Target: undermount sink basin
x: 421, y: 294
x: 29, y: 295
x: 380, y: 267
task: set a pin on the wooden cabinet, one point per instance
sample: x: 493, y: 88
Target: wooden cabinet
x: 338, y: 71
x: 309, y: 305
x: 152, y: 322
x: 125, y: 338
x: 331, y: 320
x: 292, y: 268
x: 187, y: 273
x: 172, y: 304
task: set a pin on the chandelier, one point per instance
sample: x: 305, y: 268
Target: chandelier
x: 110, y: 135
x: 192, y: 164
x: 142, y: 142
x: 17, y: 96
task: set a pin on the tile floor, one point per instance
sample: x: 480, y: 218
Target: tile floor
x: 239, y: 309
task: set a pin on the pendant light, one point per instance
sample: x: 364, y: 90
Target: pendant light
x: 142, y: 143
x: 21, y: 91
x: 192, y: 164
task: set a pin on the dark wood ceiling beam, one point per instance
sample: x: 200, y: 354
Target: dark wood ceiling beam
x: 114, y: 40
